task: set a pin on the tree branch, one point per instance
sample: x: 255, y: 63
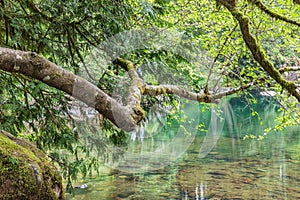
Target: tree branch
x: 139, y: 87
x: 256, y: 50
x: 289, y: 69
x: 124, y: 117
x: 136, y: 88
x: 233, y: 90
x: 36, y: 9
x: 34, y: 66
x: 200, y: 97
x: 265, y: 9
x: 153, y: 90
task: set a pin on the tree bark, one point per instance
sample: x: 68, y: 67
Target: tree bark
x: 32, y: 65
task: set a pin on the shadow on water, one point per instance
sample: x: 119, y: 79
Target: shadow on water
x: 233, y: 168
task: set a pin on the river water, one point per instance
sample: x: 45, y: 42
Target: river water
x: 195, y: 166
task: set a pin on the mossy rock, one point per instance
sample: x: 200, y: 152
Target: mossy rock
x: 26, y: 172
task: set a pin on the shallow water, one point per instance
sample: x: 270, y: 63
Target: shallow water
x: 233, y: 168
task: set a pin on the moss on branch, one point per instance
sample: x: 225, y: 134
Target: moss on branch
x: 257, y: 51
x: 272, y: 14
x: 289, y: 69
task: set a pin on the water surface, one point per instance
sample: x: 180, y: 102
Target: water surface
x: 233, y: 169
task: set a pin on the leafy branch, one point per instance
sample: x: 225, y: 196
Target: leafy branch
x: 123, y: 116
x: 275, y: 15
x: 257, y: 51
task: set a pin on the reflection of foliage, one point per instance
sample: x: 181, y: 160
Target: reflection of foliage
x: 254, y: 113
x: 249, y: 116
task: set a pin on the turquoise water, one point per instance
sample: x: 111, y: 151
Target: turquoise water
x: 217, y: 164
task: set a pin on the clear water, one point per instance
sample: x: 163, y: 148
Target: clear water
x: 233, y: 168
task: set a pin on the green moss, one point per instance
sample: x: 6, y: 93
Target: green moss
x: 25, y: 171
x: 258, y: 52
x: 275, y: 15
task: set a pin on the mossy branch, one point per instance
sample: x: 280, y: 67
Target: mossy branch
x: 289, y: 69
x: 153, y: 90
x: 265, y: 9
x: 138, y: 87
x: 257, y: 51
x: 125, y: 117
x: 135, y: 89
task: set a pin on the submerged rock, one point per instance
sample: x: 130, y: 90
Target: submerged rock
x: 25, y: 171
x: 125, y: 194
x: 83, y: 186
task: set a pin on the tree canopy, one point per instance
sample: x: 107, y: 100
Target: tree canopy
x: 46, y: 46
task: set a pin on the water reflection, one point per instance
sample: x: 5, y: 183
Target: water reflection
x: 232, y: 169
x: 153, y: 146
x: 262, y: 170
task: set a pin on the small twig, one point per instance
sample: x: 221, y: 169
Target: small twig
x: 289, y: 69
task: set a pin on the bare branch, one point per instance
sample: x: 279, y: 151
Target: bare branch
x: 153, y: 90
x: 200, y: 97
x: 232, y: 91
x: 219, y: 53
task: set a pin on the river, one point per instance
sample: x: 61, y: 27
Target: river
x: 166, y: 164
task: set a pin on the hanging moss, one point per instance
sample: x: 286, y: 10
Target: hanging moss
x: 25, y: 172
